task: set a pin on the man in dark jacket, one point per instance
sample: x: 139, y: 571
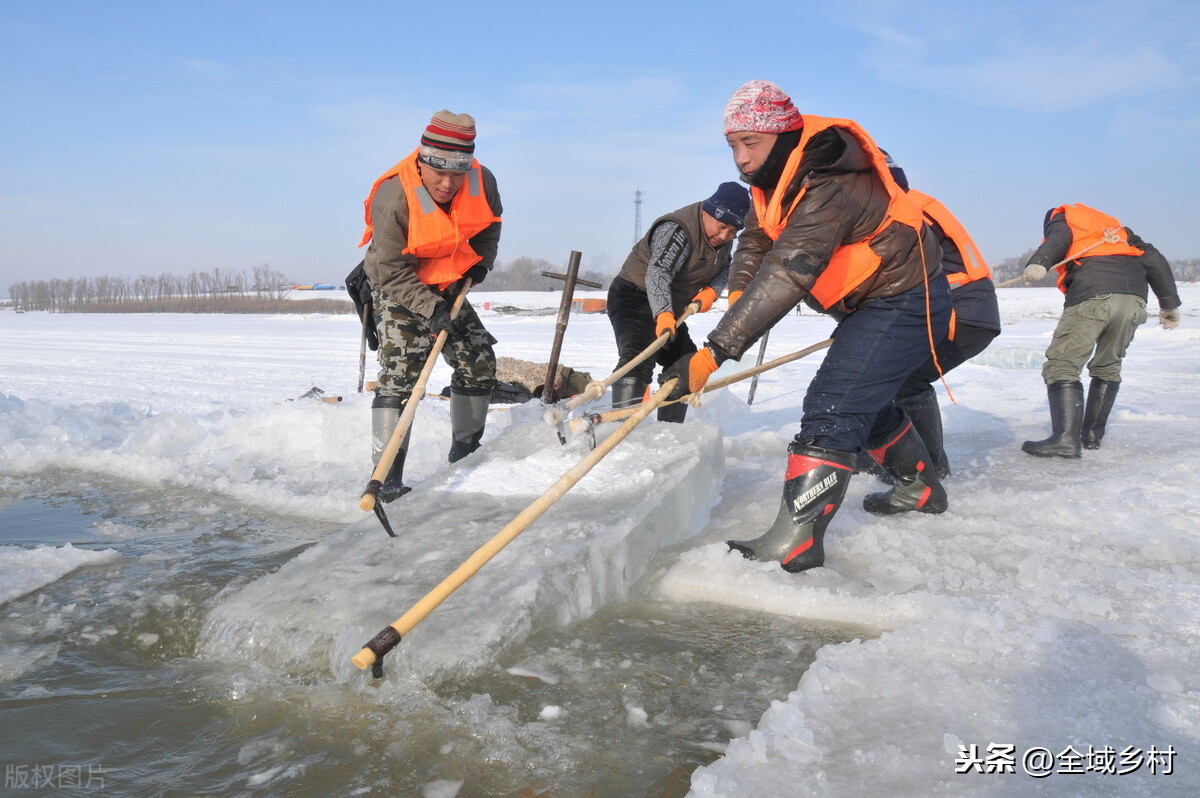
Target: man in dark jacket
x: 830, y: 226
x: 683, y: 258
x: 433, y: 221
x: 1104, y: 271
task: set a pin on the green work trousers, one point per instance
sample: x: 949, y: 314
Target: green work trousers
x: 1095, y: 332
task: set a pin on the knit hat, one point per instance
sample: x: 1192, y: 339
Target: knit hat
x: 448, y: 142
x: 728, y: 205
x: 761, y: 107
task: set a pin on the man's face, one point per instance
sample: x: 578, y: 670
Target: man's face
x: 750, y: 149
x: 716, y: 232
x: 442, y: 184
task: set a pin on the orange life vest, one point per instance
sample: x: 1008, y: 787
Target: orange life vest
x: 1089, y: 229
x: 972, y: 258
x: 851, y: 264
x: 438, y: 239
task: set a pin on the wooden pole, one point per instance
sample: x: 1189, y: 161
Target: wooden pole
x: 387, y: 639
x: 580, y: 424
x: 595, y: 390
x: 549, y: 393
x: 371, y: 495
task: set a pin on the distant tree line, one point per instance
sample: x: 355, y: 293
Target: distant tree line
x: 196, y: 292
x: 263, y: 289
x: 525, y: 274
x: 225, y: 291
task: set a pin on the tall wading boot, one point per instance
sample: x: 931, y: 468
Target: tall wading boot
x: 923, y: 411
x: 673, y: 413
x: 1100, y: 397
x: 627, y: 392
x: 1066, y: 419
x: 813, y: 489
x: 915, y: 485
x: 468, y: 416
x: 385, y: 412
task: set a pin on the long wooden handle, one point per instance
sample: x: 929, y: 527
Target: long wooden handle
x: 578, y: 425
x: 371, y: 494
x: 595, y: 390
x: 391, y: 634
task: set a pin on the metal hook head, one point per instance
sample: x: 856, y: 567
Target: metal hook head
x: 383, y: 519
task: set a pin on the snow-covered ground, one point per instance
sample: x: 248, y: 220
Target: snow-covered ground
x: 1040, y: 636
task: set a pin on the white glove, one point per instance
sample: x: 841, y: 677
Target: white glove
x: 1169, y: 318
x: 1035, y: 272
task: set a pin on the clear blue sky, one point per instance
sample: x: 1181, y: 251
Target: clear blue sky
x: 142, y: 138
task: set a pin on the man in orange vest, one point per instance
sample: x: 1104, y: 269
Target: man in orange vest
x: 1104, y: 271
x: 974, y: 321
x: 433, y: 221
x: 829, y: 225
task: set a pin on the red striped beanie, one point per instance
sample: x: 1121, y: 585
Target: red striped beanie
x: 448, y: 142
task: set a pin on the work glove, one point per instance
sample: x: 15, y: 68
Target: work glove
x: 706, y: 298
x: 477, y: 273
x: 664, y: 322
x: 1169, y: 318
x: 1035, y: 272
x: 440, y: 320
x: 692, y: 371
x: 734, y: 296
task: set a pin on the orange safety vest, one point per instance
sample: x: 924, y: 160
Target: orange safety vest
x: 851, y: 264
x: 438, y: 239
x: 1089, y: 228
x: 972, y: 258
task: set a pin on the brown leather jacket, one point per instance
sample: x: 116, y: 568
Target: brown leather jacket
x: 845, y: 203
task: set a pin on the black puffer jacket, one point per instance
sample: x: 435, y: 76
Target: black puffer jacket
x: 845, y: 202
x: 1107, y: 274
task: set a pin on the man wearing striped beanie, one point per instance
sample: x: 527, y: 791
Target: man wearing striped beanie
x: 433, y: 226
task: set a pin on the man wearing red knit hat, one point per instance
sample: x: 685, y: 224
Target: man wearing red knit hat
x: 433, y: 221
x: 829, y: 226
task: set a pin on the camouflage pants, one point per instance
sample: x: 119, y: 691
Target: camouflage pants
x: 1096, y: 332
x: 405, y: 342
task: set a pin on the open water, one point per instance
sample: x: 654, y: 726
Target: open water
x: 102, y: 691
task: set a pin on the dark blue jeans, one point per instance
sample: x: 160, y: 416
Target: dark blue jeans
x: 874, y: 350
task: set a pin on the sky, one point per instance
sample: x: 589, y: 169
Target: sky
x: 177, y: 137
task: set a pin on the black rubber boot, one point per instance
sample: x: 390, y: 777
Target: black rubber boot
x: 385, y: 412
x: 1100, y: 398
x: 1066, y: 418
x: 923, y: 411
x: 627, y: 392
x: 813, y: 489
x: 674, y: 413
x: 468, y: 417
x: 915, y: 486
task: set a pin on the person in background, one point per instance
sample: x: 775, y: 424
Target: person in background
x: 974, y: 321
x: 830, y: 226
x: 432, y: 221
x: 1104, y: 270
x: 683, y: 258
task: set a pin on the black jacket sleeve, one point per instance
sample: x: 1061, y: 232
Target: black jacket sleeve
x: 1158, y: 273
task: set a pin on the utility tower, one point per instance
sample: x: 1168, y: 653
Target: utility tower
x: 637, y: 215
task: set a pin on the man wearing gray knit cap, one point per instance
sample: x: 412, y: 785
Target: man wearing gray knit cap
x: 433, y: 221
